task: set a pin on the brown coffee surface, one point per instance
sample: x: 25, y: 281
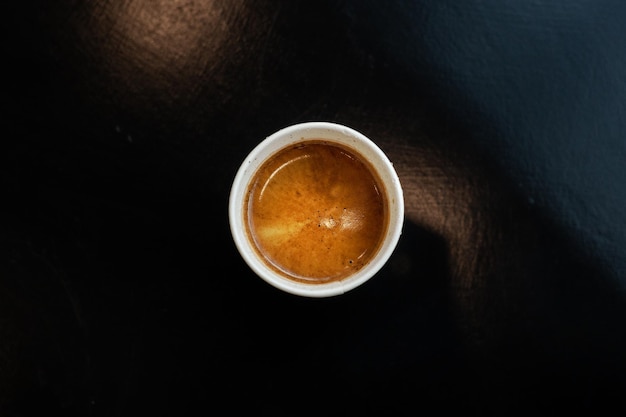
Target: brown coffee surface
x: 316, y: 212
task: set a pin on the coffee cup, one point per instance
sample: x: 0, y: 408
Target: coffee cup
x: 316, y: 209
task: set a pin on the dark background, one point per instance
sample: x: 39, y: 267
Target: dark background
x: 124, y: 122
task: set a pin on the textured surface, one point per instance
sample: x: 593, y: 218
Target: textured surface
x: 122, y: 294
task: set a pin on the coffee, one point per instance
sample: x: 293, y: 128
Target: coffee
x: 316, y: 212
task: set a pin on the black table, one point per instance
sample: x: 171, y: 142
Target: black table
x: 122, y: 294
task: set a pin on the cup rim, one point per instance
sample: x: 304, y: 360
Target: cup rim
x: 331, y: 132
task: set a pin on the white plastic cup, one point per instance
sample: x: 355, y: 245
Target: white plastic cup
x: 355, y: 142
